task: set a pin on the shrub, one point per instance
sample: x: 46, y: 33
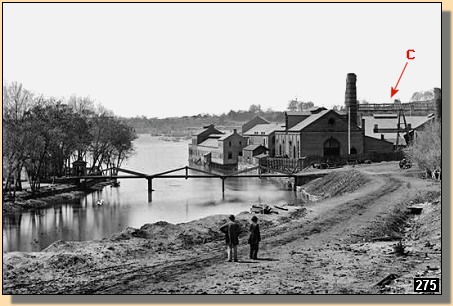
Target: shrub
x: 426, y: 149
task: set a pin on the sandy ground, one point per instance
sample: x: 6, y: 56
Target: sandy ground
x: 345, y: 243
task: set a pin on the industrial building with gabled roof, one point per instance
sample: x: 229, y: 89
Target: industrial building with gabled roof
x: 385, y: 126
x: 264, y: 134
x: 212, y: 147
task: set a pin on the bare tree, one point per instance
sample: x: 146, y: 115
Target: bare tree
x: 16, y: 103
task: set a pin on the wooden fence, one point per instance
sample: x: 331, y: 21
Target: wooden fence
x: 290, y: 165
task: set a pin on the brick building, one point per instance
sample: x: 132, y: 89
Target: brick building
x: 211, y: 147
x: 264, y: 134
x: 251, y: 151
x: 327, y: 134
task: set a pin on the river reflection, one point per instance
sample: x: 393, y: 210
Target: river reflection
x: 174, y: 200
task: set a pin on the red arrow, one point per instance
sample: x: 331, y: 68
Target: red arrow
x: 393, y: 91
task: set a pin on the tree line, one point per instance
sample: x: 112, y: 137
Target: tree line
x: 43, y: 136
x: 185, y: 125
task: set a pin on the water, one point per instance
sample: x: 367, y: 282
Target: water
x: 174, y: 200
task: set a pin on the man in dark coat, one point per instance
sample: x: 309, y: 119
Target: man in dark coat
x: 254, y: 238
x: 232, y: 230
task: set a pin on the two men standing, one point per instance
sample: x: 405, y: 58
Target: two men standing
x: 232, y: 230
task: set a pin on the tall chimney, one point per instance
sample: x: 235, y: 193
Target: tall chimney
x: 351, y: 96
x: 438, y: 103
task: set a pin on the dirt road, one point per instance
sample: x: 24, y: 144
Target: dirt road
x: 337, y: 245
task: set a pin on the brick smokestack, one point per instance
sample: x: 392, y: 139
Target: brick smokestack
x: 438, y: 103
x: 351, y: 96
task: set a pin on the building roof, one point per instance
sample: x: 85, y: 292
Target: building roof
x: 228, y: 135
x: 256, y: 120
x: 264, y: 129
x: 253, y: 147
x: 390, y: 121
x: 210, y: 142
x: 309, y: 120
x: 260, y: 118
x: 197, y: 132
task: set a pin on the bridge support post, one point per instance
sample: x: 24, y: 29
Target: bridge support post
x: 187, y: 172
x: 223, y: 187
x: 150, y: 190
x: 295, y: 184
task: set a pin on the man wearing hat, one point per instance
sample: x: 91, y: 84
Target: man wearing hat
x: 232, y: 230
x: 254, y: 238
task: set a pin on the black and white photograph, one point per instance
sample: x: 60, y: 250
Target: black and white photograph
x: 222, y: 149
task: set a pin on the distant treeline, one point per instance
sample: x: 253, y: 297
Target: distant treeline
x: 185, y: 126
x: 45, y: 135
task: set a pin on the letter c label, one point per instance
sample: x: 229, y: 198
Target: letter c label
x: 408, y: 54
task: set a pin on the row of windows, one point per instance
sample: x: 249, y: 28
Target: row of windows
x: 219, y: 155
x: 229, y: 143
x: 330, y: 143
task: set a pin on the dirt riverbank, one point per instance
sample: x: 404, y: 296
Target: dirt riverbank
x: 345, y: 243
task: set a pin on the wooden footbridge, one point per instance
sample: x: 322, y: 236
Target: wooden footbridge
x: 262, y: 172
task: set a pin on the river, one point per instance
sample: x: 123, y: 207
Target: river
x: 174, y: 200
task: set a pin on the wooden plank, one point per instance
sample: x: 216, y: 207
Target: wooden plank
x: 108, y: 177
x: 131, y: 172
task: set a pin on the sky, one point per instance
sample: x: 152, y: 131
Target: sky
x: 167, y: 60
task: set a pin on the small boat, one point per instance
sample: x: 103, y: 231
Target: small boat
x: 260, y: 209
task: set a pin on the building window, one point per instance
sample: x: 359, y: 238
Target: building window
x: 230, y: 155
x: 331, y: 121
x: 240, y: 143
x: 353, y: 150
x: 240, y: 153
x: 264, y: 141
x: 229, y: 143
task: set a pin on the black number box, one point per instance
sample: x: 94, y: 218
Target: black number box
x: 426, y: 285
